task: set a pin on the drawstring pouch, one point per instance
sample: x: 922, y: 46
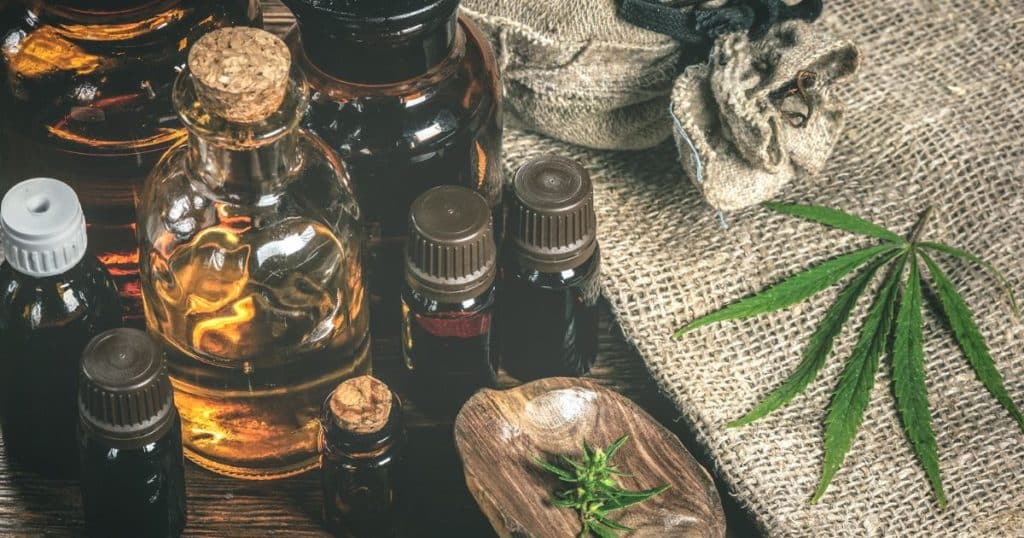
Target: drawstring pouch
x: 761, y: 111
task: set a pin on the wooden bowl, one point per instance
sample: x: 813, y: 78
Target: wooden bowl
x: 498, y: 433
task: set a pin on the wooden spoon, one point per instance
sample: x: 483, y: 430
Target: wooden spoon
x: 499, y: 432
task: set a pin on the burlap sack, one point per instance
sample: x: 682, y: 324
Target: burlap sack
x: 759, y: 112
x: 935, y: 117
x: 575, y: 71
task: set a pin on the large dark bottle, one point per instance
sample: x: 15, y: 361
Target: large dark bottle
x: 85, y: 91
x: 54, y: 297
x: 408, y: 93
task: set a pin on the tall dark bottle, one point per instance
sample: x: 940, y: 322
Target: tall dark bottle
x: 550, y: 273
x: 408, y: 94
x: 85, y: 90
x: 54, y: 297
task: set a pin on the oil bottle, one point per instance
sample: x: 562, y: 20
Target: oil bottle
x: 252, y: 272
x: 408, y: 94
x: 54, y: 297
x: 85, y: 91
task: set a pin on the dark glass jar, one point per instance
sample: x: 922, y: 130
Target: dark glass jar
x: 448, y: 303
x: 133, y: 471
x: 408, y: 94
x: 85, y: 91
x: 550, y: 274
x: 53, y: 299
x: 361, y: 465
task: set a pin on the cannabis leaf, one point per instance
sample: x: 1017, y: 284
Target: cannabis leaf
x: 893, y: 327
x: 594, y: 492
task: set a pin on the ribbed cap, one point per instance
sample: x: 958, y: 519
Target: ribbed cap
x: 450, y: 254
x: 124, y: 393
x: 42, y: 227
x: 552, y: 222
x: 358, y: 16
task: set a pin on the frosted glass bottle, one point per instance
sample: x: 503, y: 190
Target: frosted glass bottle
x: 251, y: 262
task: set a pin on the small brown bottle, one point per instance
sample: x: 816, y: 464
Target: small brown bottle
x: 550, y: 272
x: 407, y: 92
x: 133, y: 472
x: 361, y: 465
x: 448, y: 304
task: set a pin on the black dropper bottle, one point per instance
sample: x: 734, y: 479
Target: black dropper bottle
x: 550, y: 274
x: 54, y: 297
x: 133, y: 470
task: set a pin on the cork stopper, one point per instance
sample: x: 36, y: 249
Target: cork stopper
x: 361, y: 405
x: 240, y: 74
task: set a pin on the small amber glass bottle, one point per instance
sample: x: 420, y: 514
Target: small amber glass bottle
x: 54, y: 297
x: 85, y: 96
x: 253, y: 274
x: 408, y: 94
x: 133, y: 472
x: 550, y: 282
x: 448, y: 303
x: 361, y: 465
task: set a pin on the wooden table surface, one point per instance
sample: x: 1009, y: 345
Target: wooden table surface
x: 442, y: 507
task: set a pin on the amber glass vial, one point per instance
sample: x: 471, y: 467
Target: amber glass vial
x: 85, y: 96
x: 448, y: 303
x: 362, y: 464
x: 253, y: 262
x: 550, y: 272
x: 54, y: 297
x: 408, y: 93
x: 133, y: 472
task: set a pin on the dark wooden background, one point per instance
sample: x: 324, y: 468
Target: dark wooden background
x: 441, y: 507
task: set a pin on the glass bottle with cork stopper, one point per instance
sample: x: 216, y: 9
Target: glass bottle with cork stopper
x: 85, y: 95
x: 550, y: 274
x: 408, y: 94
x: 54, y: 298
x: 253, y: 274
x: 362, y: 473
x: 449, y: 337
x: 133, y: 472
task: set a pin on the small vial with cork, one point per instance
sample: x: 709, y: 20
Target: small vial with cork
x: 133, y: 472
x: 54, y: 298
x: 448, y: 302
x: 550, y: 273
x: 361, y: 461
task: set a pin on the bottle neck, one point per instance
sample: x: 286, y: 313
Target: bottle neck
x: 243, y: 174
x: 378, y: 58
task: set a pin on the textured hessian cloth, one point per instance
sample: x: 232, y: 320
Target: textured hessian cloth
x: 936, y: 117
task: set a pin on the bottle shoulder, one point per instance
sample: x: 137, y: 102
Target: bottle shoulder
x: 316, y: 188
x: 84, y: 294
x: 513, y: 270
x: 463, y: 92
x: 101, y: 81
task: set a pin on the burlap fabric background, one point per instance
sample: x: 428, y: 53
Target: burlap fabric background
x: 573, y: 70
x: 935, y: 117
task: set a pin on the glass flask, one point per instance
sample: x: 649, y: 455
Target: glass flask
x: 408, y: 94
x: 252, y: 265
x: 85, y: 91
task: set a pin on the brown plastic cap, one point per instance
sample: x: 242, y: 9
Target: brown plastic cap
x: 450, y: 254
x: 361, y: 405
x: 552, y: 222
x: 240, y: 74
x: 124, y: 392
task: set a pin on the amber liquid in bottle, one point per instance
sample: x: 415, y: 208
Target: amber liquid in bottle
x: 85, y: 97
x: 407, y: 111
x: 253, y: 283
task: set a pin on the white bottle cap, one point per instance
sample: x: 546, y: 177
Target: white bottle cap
x: 42, y: 227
